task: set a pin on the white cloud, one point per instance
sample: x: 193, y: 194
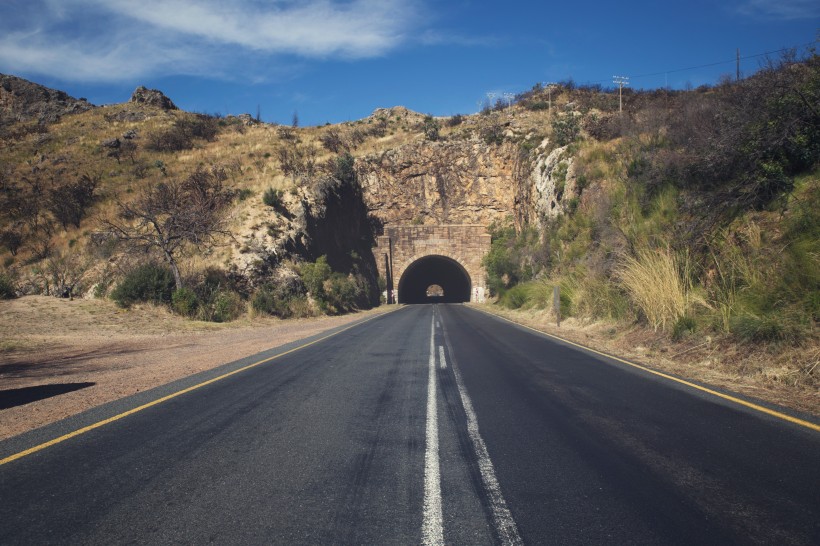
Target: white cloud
x: 781, y: 9
x: 115, y: 40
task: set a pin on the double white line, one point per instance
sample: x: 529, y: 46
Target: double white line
x: 432, y: 526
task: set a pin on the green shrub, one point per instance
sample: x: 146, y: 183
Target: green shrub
x: 684, y: 326
x: 314, y: 276
x: 431, y: 128
x: 8, y: 290
x: 244, y: 194
x: 265, y: 301
x: 566, y: 128
x: 515, y: 298
x: 184, y: 302
x: 272, y: 198
x: 344, y: 293
x: 227, y: 306
x: 147, y: 283
x: 770, y: 328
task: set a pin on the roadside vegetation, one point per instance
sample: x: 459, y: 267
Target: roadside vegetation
x: 696, y: 216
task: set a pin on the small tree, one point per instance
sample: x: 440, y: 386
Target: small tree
x: 431, y: 128
x: 173, y: 215
x: 68, y: 202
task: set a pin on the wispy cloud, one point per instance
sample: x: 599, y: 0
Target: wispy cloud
x: 780, y: 9
x: 115, y: 40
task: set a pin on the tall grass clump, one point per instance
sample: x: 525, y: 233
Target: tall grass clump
x: 658, y: 282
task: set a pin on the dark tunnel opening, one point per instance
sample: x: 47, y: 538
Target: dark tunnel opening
x: 434, y: 270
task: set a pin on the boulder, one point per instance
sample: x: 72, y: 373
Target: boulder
x: 152, y: 97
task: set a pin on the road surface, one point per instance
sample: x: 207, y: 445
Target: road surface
x: 431, y: 424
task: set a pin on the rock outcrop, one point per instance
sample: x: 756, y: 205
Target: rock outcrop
x: 457, y: 182
x: 152, y: 97
x: 467, y: 182
x: 25, y: 101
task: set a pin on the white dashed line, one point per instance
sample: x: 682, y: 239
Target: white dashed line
x: 441, y: 360
x: 432, y: 529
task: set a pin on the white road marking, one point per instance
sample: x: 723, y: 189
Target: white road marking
x: 502, y: 518
x: 432, y: 529
x: 441, y: 360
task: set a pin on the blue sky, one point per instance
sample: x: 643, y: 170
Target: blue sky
x: 336, y: 60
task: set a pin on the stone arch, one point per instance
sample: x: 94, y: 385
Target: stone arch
x: 462, y: 244
x: 445, y: 271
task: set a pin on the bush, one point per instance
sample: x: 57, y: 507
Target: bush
x: 181, y: 135
x: 270, y: 301
x: 147, y: 283
x: 431, y: 128
x: 566, y: 128
x: 227, y: 306
x: 8, y: 290
x: 314, y: 276
x: 455, y: 120
x: 344, y: 293
x: 184, y: 302
x: 272, y: 198
x: 770, y: 328
x: 515, y: 298
x: 683, y: 327
x: 69, y: 202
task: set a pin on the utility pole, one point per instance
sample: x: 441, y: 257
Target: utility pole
x: 737, y: 75
x: 550, y: 86
x: 491, y: 96
x: 620, y: 81
x: 509, y: 97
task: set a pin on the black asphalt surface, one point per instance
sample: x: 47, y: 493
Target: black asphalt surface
x: 326, y: 445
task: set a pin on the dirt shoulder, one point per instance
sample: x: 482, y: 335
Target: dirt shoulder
x: 66, y: 344
x: 751, y: 371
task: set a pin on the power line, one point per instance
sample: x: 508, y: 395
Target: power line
x: 722, y: 62
x: 707, y: 65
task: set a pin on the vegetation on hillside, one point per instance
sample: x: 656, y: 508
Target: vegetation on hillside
x: 104, y: 201
x: 696, y: 213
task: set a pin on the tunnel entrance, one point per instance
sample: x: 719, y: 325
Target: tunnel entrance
x: 440, y: 271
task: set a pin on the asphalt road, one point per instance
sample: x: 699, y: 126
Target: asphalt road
x: 431, y: 424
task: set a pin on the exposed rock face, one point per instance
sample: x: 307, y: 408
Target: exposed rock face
x: 467, y: 182
x: 152, y: 97
x: 553, y: 181
x: 463, y: 182
x: 22, y: 100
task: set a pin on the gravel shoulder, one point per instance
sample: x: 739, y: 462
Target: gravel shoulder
x: 107, y: 353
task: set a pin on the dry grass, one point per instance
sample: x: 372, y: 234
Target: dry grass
x: 658, y: 281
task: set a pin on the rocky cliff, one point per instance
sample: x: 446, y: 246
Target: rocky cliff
x: 468, y: 182
x: 24, y: 101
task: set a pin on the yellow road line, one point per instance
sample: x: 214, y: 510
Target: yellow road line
x: 750, y: 405
x: 132, y: 411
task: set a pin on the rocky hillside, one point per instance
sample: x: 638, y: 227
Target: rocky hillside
x: 24, y: 101
x: 573, y: 191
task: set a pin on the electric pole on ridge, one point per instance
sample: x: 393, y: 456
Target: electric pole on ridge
x: 620, y: 81
x: 550, y: 86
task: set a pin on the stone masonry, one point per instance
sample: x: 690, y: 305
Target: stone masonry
x: 400, y: 246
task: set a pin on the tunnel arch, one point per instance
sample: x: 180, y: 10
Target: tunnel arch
x: 434, y: 269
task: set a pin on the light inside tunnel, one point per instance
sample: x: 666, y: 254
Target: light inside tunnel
x: 425, y: 272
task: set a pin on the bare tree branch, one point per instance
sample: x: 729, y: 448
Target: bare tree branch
x: 173, y: 215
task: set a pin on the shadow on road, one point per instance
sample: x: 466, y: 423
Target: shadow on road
x: 17, y: 397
